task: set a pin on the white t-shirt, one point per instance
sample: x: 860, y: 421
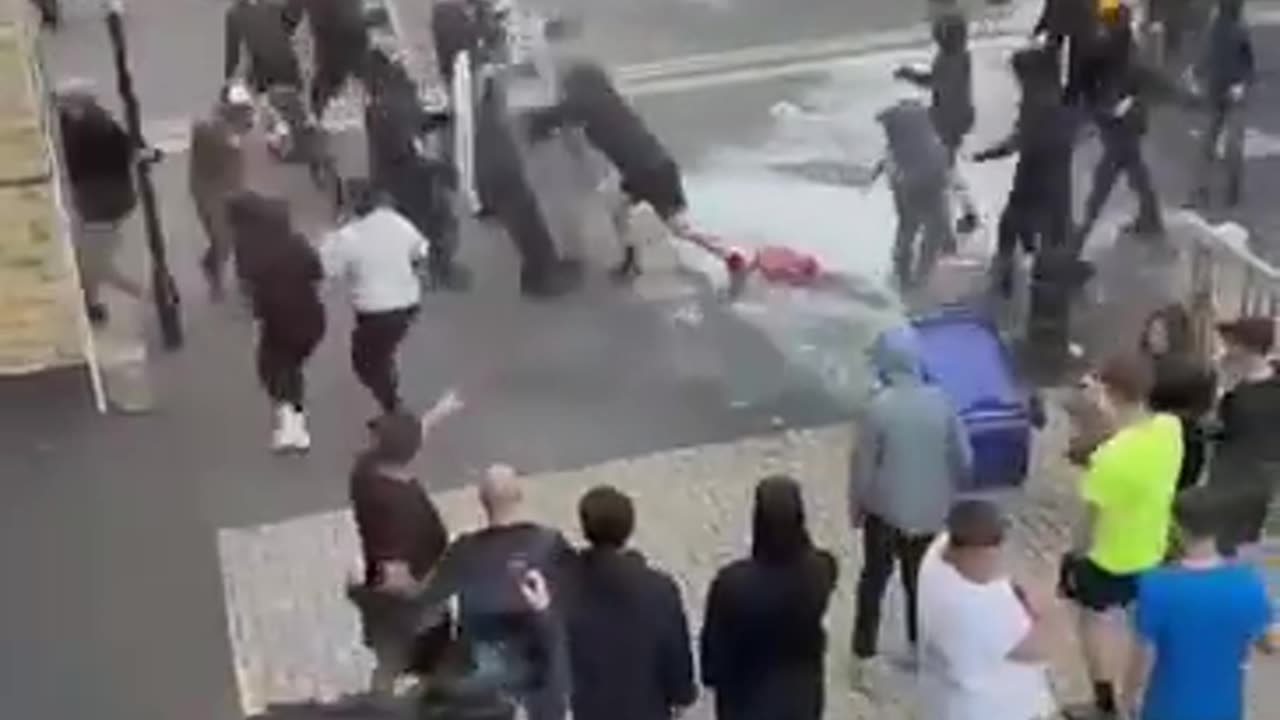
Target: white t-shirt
x: 967, y: 631
x: 376, y: 256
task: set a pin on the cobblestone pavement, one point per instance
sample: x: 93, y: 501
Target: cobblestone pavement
x: 295, y: 637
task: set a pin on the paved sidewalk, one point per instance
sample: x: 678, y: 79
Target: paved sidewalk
x: 295, y: 638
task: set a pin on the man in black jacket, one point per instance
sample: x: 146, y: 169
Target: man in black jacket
x: 1111, y: 86
x: 1037, y: 213
x: 629, y: 647
x: 100, y: 158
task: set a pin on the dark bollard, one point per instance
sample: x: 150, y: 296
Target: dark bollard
x: 164, y: 289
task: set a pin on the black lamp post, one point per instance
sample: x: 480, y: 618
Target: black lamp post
x: 164, y: 289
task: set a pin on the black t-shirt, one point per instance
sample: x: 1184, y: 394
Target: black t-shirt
x: 396, y: 521
x: 1250, y: 415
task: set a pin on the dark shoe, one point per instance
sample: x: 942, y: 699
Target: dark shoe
x: 967, y: 223
x: 98, y: 314
x: 629, y: 268
x: 559, y: 279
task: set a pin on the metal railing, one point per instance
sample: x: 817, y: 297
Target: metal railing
x: 1227, y: 279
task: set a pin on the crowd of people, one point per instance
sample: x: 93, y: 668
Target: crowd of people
x: 1178, y: 465
x: 1177, y: 473
x: 398, y: 231
x: 1085, y: 74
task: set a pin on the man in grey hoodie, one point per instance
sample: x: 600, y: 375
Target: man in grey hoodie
x: 919, y: 176
x: 911, y: 455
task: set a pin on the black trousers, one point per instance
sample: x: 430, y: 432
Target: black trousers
x: 1037, y: 213
x: 504, y: 190
x: 882, y: 546
x: 517, y: 211
x: 374, y: 342
x: 283, y: 349
x: 337, y: 61
x: 1121, y: 153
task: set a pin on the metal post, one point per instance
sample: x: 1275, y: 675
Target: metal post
x: 164, y: 289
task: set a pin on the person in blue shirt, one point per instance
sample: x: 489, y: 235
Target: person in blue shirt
x: 1199, y: 618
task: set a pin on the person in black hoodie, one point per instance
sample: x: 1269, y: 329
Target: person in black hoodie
x: 629, y: 648
x: 283, y: 273
x: 763, y: 644
x: 950, y: 82
x: 1037, y: 213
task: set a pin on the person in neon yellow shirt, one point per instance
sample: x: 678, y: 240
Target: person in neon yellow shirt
x: 1128, y: 491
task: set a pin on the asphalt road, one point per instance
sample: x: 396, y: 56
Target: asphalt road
x: 114, y: 608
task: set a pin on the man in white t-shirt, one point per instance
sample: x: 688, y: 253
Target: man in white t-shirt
x: 378, y: 255
x: 983, y: 640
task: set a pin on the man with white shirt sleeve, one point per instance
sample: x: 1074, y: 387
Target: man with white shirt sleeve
x: 983, y: 639
x: 377, y: 255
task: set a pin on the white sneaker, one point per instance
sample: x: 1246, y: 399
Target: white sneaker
x: 282, y: 430
x: 300, y: 439
x: 869, y: 677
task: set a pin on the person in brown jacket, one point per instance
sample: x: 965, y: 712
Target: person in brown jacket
x: 216, y: 173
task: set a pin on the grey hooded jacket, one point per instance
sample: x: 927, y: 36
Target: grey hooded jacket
x: 912, y: 451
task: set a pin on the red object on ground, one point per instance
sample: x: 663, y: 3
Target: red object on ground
x: 784, y: 265
x: 775, y: 263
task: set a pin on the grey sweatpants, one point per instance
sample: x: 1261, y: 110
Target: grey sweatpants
x: 924, y: 229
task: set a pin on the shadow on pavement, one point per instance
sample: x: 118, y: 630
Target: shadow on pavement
x: 356, y: 707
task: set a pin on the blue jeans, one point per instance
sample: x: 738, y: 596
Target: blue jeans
x: 496, y: 668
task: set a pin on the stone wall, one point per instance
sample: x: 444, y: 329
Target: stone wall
x: 39, y: 312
